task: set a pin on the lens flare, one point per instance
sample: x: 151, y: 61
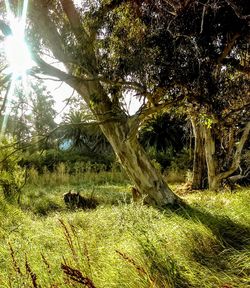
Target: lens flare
x: 17, y: 52
x: 17, y: 55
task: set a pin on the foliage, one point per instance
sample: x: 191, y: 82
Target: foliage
x: 12, y: 177
x: 80, y: 132
x: 31, y: 118
x: 164, y: 131
x: 49, y: 159
x: 165, y: 137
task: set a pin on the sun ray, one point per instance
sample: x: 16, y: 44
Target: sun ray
x: 17, y: 54
x: 24, y: 14
x: 9, y: 97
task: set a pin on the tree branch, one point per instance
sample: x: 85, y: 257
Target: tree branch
x: 228, y: 48
x: 237, y: 154
x: 74, y: 20
x: 53, y: 71
x: 48, y: 31
x: 137, y: 120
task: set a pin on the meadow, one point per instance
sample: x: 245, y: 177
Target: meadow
x: 204, y: 243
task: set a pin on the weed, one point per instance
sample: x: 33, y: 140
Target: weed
x: 76, y: 275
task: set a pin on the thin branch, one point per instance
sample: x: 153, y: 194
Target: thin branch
x: 67, y: 103
x: 44, y: 78
x: 202, y: 18
x: 237, y: 11
x: 228, y: 48
x: 74, y: 20
x: 137, y: 120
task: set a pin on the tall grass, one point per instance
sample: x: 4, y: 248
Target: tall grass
x: 86, y: 172
x: 122, y: 244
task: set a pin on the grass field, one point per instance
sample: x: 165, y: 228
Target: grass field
x: 123, y: 244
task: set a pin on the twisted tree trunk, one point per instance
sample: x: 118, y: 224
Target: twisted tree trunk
x: 83, y: 75
x: 215, y: 175
x: 133, y: 158
x: 135, y: 162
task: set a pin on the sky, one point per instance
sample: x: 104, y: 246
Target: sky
x: 64, y: 92
x: 18, y: 65
x: 61, y: 91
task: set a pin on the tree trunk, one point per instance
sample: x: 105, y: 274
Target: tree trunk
x: 199, y: 179
x: 214, y: 181
x: 133, y: 158
x: 137, y: 165
x: 215, y: 176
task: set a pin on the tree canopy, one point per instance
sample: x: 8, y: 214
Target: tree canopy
x: 190, y: 54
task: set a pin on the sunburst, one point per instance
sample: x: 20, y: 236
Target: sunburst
x: 17, y: 54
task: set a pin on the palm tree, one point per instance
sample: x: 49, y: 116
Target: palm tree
x: 81, y: 133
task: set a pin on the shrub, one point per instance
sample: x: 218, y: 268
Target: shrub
x: 12, y: 176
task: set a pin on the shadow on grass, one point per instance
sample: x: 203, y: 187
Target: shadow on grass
x: 232, y: 238
x: 231, y: 234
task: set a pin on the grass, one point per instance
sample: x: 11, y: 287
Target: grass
x: 122, y: 244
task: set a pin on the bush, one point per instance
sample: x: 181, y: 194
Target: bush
x: 52, y: 158
x: 12, y: 176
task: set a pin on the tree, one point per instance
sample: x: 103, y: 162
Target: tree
x: 43, y: 115
x: 72, y: 40
x: 79, y: 129
x: 12, y: 177
x: 200, y: 51
x: 31, y: 116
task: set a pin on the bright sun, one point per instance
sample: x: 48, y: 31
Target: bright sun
x: 17, y: 52
x: 17, y: 55
x: 16, y: 49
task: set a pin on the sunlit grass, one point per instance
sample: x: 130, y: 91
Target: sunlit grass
x: 121, y: 244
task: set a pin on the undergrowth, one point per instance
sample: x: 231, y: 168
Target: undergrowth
x: 122, y: 244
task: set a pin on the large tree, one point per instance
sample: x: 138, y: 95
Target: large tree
x: 201, y: 51
x: 61, y: 30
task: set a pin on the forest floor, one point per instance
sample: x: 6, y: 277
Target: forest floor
x: 124, y: 244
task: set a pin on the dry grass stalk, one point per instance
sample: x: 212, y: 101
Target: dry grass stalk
x: 76, y: 275
x: 15, y: 265
x: 69, y: 239
x: 131, y: 261
x: 32, y: 274
x: 86, y: 253
x: 45, y: 261
x: 140, y: 270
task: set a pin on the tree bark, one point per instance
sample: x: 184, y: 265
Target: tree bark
x: 215, y: 176
x: 199, y: 178
x: 133, y: 158
x: 135, y: 162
